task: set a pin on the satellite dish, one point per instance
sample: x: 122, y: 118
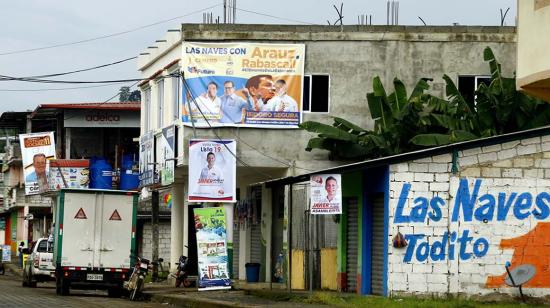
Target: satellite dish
x: 520, y: 275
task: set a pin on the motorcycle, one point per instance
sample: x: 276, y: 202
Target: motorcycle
x: 182, y: 274
x: 135, y: 283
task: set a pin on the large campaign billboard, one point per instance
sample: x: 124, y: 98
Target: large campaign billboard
x: 242, y: 84
x: 212, y: 170
x: 36, y: 150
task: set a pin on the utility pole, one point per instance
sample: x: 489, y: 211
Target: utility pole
x: 155, y: 231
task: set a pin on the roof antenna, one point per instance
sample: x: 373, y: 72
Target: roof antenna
x: 503, y: 16
x: 422, y: 20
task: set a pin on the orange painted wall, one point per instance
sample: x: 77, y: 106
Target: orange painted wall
x: 532, y: 248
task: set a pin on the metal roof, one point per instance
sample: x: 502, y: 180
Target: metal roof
x: 394, y: 159
x: 14, y: 120
x: 47, y: 108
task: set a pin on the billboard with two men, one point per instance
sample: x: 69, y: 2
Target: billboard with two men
x: 242, y: 84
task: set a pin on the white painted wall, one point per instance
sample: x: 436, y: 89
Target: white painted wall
x: 517, y: 172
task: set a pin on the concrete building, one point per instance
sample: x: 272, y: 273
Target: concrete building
x: 350, y: 56
x: 81, y: 131
x: 533, y: 62
x: 13, y: 208
x: 465, y: 211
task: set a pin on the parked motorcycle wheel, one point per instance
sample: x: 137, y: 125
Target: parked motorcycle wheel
x: 186, y: 282
x: 133, y: 294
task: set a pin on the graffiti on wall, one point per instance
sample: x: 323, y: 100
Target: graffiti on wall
x: 473, y: 210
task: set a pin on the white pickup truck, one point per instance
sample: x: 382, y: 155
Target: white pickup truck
x: 39, y: 266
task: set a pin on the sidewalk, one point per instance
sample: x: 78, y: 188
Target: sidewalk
x: 190, y: 297
x: 14, y: 269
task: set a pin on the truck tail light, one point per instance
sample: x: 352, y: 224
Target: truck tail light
x: 36, y: 261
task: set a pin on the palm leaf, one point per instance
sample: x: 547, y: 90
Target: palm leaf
x: 429, y: 140
x: 327, y: 131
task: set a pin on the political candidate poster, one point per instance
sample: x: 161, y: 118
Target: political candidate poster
x: 146, y: 159
x: 6, y: 253
x: 36, y: 149
x: 242, y: 84
x: 165, y: 153
x: 212, y: 170
x: 326, y: 195
x: 210, y: 227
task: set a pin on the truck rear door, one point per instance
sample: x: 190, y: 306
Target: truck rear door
x: 79, y: 214
x: 115, y: 231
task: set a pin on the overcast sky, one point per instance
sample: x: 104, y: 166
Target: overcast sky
x: 29, y: 24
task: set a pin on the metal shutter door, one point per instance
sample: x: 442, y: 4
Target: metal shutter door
x: 377, y: 266
x: 236, y: 241
x: 256, y: 244
x: 352, y: 245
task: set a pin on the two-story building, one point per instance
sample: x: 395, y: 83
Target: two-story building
x: 339, y: 66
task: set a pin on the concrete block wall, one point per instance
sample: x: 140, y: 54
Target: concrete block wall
x: 462, y: 228
x: 164, y: 241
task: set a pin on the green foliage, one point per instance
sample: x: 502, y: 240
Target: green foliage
x: 126, y: 96
x: 404, y: 123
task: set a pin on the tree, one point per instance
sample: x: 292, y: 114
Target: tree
x: 127, y: 96
x: 403, y: 124
x: 124, y: 94
x: 135, y: 96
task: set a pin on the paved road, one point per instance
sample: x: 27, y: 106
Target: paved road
x: 12, y: 294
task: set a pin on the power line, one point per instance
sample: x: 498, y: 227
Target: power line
x: 105, y: 102
x: 216, y: 134
x: 107, y: 82
x: 54, y: 89
x: 273, y: 16
x: 286, y: 164
x: 11, y: 78
x: 105, y: 36
x: 81, y: 70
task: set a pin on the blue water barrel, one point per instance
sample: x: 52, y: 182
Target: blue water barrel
x: 101, y: 173
x: 129, y: 179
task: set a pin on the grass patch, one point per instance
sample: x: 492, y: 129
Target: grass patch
x: 352, y: 300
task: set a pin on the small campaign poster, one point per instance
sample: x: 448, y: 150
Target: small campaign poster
x: 36, y: 149
x: 210, y: 225
x: 326, y: 195
x: 212, y: 170
x: 146, y: 159
x: 165, y: 154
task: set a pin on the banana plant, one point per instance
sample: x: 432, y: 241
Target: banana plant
x: 403, y: 123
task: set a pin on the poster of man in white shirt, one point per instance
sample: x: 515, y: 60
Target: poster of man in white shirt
x: 212, y: 170
x: 326, y: 195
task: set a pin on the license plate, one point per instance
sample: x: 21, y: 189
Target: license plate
x: 95, y: 277
x: 143, y: 266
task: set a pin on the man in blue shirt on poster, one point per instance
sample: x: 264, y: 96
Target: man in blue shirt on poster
x: 232, y: 105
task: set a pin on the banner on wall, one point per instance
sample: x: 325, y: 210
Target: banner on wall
x: 165, y: 153
x: 210, y: 225
x: 6, y: 253
x: 242, y: 84
x: 146, y: 159
x: 326, y: 195
x: 212, y: 170
x: 69, y: 173
x: 36, y: 150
